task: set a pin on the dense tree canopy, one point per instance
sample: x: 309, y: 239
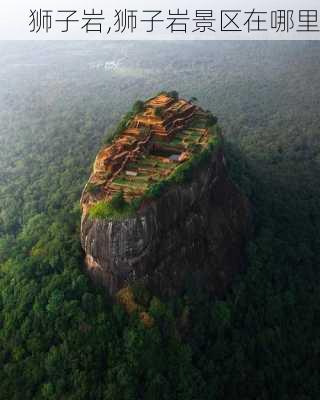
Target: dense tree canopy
x: 60, y: 338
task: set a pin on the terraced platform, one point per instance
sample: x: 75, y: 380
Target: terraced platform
x: 166, y: 132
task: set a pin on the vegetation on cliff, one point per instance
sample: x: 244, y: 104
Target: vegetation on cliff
x: 151, y: 169
x: 136, y: 108
x: 186, y: 171
x: 118, y: 207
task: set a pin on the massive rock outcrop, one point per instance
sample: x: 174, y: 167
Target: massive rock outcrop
x: 194, y: 234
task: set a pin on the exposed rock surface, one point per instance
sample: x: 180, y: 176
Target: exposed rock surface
x: 194, y: 233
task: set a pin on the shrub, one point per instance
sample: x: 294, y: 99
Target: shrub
x: 194, y: 147
x: 118, y: 202
x: 117, y: 207
x: 211, y: 121
x: 120, y: 127
x: 156, y: 189
x: 138, y: 107
x: 136, y: 203
x: 141, y: 294
x: 92, y: 188
x: 174, y: 94
x: 100, y: 210
x: 163, y: 92
x: 182, y: 173
x: 158, y: 112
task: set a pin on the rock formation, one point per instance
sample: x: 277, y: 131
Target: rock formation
x: 192, y: 235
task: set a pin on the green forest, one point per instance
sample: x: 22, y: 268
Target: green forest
x: 60, y: 337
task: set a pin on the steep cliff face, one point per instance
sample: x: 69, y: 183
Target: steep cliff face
x: 194, y: 233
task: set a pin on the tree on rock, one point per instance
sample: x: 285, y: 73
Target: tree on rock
x: 118, y: 201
